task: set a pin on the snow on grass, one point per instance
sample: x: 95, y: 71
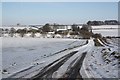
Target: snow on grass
x: 113, y: 41
x: 101, y: 63
x: 22, y: 53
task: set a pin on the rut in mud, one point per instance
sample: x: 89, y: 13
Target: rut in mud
x: 48, y: 70
x: 73, y: 73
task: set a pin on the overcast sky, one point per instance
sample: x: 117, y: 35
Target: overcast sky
x: 57, y: 12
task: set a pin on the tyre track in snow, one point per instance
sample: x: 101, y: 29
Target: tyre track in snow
x: 73, y: 73
x: 49, y: 70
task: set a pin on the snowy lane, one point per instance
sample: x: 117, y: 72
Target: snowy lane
x: 48, y: 70
x: 73, y: 63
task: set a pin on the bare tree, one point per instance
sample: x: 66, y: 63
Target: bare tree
x: 46, y: 28
x: 12, y: 32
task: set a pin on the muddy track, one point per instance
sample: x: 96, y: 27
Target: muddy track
x: 49, y: 70
x: 74, y: 73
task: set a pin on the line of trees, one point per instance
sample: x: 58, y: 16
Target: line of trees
x: 106, y: 22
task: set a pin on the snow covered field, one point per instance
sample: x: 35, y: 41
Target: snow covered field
x: 107, y: 30
x: 106, y: 27
x: 20, y: 54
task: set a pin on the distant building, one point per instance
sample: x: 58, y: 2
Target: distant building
x: 60, y: 27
